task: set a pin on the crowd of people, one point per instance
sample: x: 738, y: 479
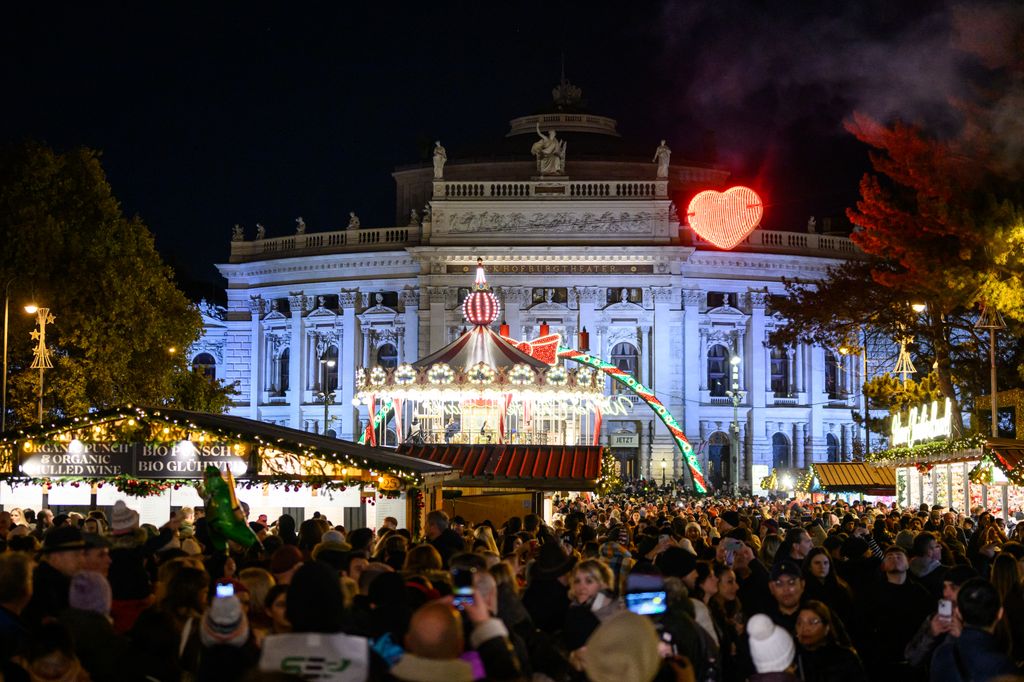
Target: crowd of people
x: 640, y: 585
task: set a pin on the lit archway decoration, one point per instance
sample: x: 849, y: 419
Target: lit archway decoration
x: 725, y: 218
x: 630, y: 382
x: 384, y: 414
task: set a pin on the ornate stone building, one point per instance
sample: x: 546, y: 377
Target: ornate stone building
x: 592, y: 241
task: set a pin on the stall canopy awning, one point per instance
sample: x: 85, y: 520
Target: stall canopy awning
x: 854, y: 477
x: 1011, y: 452
x: 544, y: 467
x: 240, y: 429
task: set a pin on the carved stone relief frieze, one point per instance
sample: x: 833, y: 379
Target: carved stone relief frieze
x: 562, y: 222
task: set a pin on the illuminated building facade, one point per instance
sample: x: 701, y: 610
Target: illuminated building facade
x: 595, y: 244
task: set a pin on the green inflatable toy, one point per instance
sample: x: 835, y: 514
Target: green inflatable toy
x: 224, y: 516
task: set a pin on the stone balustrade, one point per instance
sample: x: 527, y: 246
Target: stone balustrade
x: 554, y: 188
x: 318, y: 243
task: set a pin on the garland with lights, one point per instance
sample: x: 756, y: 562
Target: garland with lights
x: 160, y: 426
x: 905, y: 453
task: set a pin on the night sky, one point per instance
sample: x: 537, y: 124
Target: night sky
x: 213, y: 114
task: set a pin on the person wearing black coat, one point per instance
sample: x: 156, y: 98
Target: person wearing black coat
x: 446, y: 541
x: 823, y: 653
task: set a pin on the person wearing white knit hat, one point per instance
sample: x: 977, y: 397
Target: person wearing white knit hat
x: 123, y: 521
x: 771, y: 649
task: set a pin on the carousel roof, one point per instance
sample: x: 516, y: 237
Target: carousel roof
x: 477, y: 345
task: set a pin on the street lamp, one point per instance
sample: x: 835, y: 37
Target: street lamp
x: 991, y: 320
x: 7, y: 301
x: 41, y: 353
x: 664, y: 465
x: 734, y: 429
x: 326, y: 395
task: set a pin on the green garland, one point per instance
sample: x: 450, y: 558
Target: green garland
x: 906, y: 453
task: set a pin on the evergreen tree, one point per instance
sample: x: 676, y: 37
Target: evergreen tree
x: 69, y: 247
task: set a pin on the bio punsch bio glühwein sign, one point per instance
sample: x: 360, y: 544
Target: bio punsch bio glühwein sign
x: 184, y: 459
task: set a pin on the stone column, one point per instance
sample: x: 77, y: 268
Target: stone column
x: 645, y: 351
x: 256, y: 355
x: 693, y: 373
x: 437, y: 317
x: 296, y: 360
x: 411, y: 338
x: 759, y: 447
x: 798, y: 445
x: 348, y: 345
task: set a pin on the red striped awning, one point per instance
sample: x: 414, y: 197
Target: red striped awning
x: 549, y: 467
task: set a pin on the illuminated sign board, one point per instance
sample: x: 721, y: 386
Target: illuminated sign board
x: 184, y: 459
x: 922, y: 424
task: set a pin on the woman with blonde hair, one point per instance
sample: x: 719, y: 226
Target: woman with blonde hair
x: 483, y: 535
x: 422, y: 559
x: 591, y: 601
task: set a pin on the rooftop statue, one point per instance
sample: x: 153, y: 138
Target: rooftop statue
x: 550, y: 153
x: 440, y: 157
x: 661, y: 157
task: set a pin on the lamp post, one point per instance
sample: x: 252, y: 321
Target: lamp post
x: 324, y: 393
x: 42, y: 354
x: 664, y: 465
x: 7, y: 301
x: 991, y: 320
x: 736, y: 395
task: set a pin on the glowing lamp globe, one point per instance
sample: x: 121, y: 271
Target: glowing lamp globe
x: 725, y: 218
x: 481, y: 308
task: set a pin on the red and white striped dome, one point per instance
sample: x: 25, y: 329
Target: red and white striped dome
x: 481, y: 307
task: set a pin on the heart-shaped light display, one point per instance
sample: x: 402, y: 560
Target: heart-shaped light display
x: 725, y: 218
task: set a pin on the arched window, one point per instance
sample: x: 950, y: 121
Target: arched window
x: 718, y: 370
x: 780, y: 372
x: 718, y: 459
x: 282, y: 370
x: 205, y: 364
x: 387, y: 356
x: 832, y: 448
x: 330, y: 374
x: 780, y: 451
x: 626, y: 358
x: 831, y: 374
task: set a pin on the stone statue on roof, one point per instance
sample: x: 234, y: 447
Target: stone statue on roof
x: 237, y: 233
x: 661, y: 157
x: 549, y: 152
x: 300, y: 225
x: 440, y: 157
x: 261, y: 231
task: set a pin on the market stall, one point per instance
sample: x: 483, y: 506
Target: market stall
x: 158, y: 455
x: 860, y: 480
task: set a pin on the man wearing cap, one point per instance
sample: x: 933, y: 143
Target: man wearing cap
x: 60, y: 558
x: 893, y: 610
x: 787, y: 587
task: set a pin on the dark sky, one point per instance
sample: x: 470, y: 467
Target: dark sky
x: 219, y: 113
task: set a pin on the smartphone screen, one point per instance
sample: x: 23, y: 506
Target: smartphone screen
x: 945, y: 609
x: 463, y: 582
x: 226, y: 590
x: 646, y: 603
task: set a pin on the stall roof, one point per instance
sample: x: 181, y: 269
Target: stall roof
x: 548, y: 467
x: 279, y: 437
x: 854, y: 477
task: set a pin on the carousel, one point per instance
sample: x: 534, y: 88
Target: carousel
x: 486, y: 388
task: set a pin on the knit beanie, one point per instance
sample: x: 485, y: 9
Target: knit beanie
x: 624, y: 648
x: 224, y: 623
x: 905, y: 539
x: 771, y: 647
x: 90, y: 591
x: 122, y: 519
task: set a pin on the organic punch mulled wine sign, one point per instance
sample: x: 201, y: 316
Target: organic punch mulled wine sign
x: 183, y: 459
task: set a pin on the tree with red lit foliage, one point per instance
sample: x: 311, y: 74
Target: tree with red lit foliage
x: 938, y: 223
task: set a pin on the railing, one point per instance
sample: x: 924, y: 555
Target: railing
x: 551, y: 188
x: 788, y: 242
x: 323, y: 242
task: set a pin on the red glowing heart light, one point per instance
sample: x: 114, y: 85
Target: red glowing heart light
x: 725, y: 218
